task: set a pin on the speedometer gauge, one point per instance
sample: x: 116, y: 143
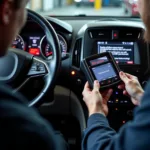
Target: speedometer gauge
x: 18, y: 42
x: 47, y: 48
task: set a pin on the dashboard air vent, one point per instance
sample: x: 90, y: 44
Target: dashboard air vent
x: 105, y: 34
x: 130, y: 34
x: 77, y: 53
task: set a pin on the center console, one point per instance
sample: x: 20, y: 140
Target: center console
x: 125, y: 41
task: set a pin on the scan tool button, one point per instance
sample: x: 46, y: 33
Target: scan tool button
x: 115, y: 79
x: 109, y: 81
x: 102, y: 83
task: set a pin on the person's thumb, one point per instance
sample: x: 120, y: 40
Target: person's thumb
x: 123, y: 77
x: 96, y: 86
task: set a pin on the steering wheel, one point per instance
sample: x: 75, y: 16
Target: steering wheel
x: 18, y: 67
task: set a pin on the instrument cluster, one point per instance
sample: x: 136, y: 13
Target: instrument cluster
x: 38, y: 45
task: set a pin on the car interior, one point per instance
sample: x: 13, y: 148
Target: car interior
x: 49, y: 72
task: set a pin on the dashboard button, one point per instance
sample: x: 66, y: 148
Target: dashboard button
x: 116, y: 101
x: 130, y: 113
x: 115, y: 79
x: 110, y: 102
x: 125, y: 101
x: 123, y: 121
x: 79, y: 82
x: 117, y: 93
x: 115, y: 34
x: 121, y: 102
x: 103, y: 83
x: 109, y: 81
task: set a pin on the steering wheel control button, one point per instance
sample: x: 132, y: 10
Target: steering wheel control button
x: 41, y: 68
x: 37, y: 68
x: 33, y: 68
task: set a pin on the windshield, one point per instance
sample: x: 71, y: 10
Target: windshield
x: 85, y: 7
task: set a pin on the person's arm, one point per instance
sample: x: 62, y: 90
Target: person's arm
x: 23, y: 128
x: 97, y: 122
x: 98, y: 133
x: 134, y: 135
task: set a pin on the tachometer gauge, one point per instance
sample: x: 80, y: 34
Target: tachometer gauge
x: 18, y: 43
x: 63, y: 45
x: 47, y: 48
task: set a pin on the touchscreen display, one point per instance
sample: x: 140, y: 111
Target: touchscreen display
x: 104, y: 72
x: 123, y: 52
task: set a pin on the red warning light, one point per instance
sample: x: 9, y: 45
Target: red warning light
x: 34, y: 51
x: 115, y: 34
x: 49, y: 53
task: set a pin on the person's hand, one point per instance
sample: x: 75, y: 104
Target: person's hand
x: 131, y: 87
x: 96, y: 102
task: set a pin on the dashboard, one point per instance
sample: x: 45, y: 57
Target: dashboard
x: 82, y: 37
x: 33, y: 40
x: 38, y: 45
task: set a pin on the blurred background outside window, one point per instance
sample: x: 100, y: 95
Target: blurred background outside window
x: 85, y: 7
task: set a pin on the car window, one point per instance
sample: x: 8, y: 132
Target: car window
x: 85, y: 7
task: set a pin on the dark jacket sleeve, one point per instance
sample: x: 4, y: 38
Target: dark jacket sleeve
x: 134, y: 135
x: 22, y: 128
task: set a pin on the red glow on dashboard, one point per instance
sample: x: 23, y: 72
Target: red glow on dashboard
x: 34, y: 51
x: 97, y: 62
x: 130, y: 62
x: 115, y: 35
x: 49, y: 53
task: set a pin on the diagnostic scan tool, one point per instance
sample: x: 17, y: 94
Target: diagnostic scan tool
x: 102, y: 67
